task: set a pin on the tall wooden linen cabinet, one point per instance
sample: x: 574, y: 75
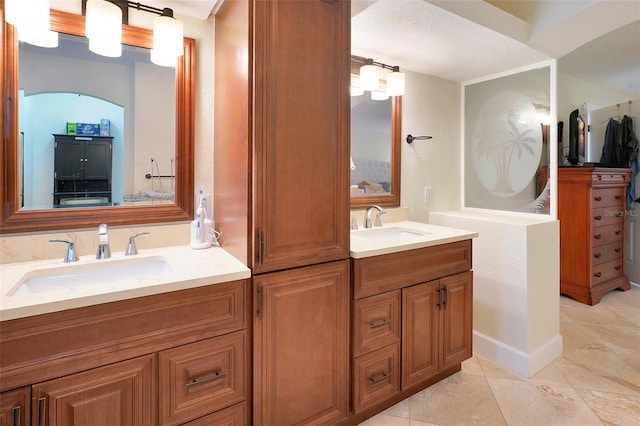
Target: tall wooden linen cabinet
x: 282, y: 199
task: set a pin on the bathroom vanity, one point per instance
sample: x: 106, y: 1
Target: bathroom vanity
x: 178, y: 356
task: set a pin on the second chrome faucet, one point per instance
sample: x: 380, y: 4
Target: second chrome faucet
x: 104, y: 252
x: 378, y: 219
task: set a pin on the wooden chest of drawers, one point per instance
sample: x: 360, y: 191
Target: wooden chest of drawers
x: 591, y: 210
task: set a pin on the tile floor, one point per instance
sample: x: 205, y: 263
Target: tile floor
x: 595, y: 382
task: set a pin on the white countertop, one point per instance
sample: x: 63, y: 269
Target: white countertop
x: 187, y: 268
x: 411, y: 235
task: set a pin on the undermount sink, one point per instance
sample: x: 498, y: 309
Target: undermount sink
x: 101, y: 272
x: 390, y: 233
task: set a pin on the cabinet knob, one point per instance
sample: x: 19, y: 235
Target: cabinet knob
x: 598, y: 198
x: 597, y: 274
x: 599, y: 217
x: 618, y: 232
x: 618, y: 267
x: 597, y: 236
x: 618, y: 250
x: 618, y: 197
x: 597, y: 255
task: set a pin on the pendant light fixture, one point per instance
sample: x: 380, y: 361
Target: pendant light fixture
x: 168, y: 35
x: 369, y: 77
x: 395, y: 82
x: 104, y: 28
x: 31, y: 17
x: 378, y: 95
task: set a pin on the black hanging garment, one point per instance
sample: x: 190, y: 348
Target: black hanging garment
x: 609, y: 148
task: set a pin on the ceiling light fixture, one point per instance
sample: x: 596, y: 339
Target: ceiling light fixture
x: 31, y: 17
x: 371, y: 78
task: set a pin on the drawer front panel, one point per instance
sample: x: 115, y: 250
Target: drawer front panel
x: 376, y: 322
x: 610, y: 177
x: 202, y: 377
x: 607, y: 252
x: 607, y: 271
x: 607, y: 216
x: 378, y: 274
x: 606, y: 234
x: 232, y: 416
x: 376, y: 377
x: 607, y: 197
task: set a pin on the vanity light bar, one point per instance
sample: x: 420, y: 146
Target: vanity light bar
x: 369, y: 71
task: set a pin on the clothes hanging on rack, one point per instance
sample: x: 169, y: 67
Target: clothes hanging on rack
x: 609, y: 148
x: 628, y: 143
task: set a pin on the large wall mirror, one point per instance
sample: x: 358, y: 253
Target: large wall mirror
x: 150, y: 115
x: 375, y: 150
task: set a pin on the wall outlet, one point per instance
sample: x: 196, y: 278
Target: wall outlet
x: 427, y: 194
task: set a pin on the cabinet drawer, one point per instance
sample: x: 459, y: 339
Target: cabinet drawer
x: 376, y: 377
x: 376, y: 322
x: 607, y: 216
x: 378, y: 274
x: 607, y: 271
x: 607, y: 197
x: 202, y: 377
x: 232, y: 416
x: 607, y: 252
x: 606, y: 234
x: 610, y: 177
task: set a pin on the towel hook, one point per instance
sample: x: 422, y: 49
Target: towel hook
x: 410, y: 138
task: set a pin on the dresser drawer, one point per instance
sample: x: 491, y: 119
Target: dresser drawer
x: 607, y: 216
x: 607, y: 271
x: 201, y: 377
x: 606, y: 234
x: 376, y: 322
x: 610, y: 177
x: 607, y: 197
x: 606, y: 253
x: 376, y: 376
x: 232, y: 416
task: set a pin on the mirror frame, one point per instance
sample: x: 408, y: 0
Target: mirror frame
x: 14, y: 220
x: 392, y: 199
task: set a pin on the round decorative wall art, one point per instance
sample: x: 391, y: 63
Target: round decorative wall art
x: 506, y: 143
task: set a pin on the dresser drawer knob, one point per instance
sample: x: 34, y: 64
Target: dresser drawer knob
x: 379, y: 323
x: 620, y: 214
x: 618, y: 197
x: 597, y: 255
x: 618, y: 267
x: 597, y: 236
x: 598, y: 217
x: 618, y: 232
x: 598, y: 198
x: 219, y: 375
x: 597, y: 274
x: 618, y: 250
x: 382, y: 378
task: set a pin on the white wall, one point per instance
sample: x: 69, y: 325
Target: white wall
x: 430, y: 106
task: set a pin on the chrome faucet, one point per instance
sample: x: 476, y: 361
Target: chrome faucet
x: 131, y: 247
x: 367, y: 216
x: 104, y: 252
x: 71, y: 256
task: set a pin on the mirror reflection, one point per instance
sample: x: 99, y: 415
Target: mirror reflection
x: 370, y: 146
x: 123, y: 155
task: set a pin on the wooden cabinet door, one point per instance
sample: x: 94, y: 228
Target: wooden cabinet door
x: 420, y: 332
x: 69, y: 159
x: 301, y: 127
x: 121, y: 394
x: 457, y: 318
x: 301, y: 345
x: 97, y: 160
x: 15, y: 407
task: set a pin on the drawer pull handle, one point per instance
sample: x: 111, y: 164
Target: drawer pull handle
x: 598, y: 198
x: 618, y: 197
x: 618, y: 232
x: 598, y: 217
x: 42, y: 411
x: 597, y: 236
x: 379, y: 324
x: 16, y: 416
x: 597, y: 255
x: 379, y: 379
x: 620, y: 214
x: 217, y: 376
x: 618, y: 250
x: 618, y: 267
x: 597, y: 274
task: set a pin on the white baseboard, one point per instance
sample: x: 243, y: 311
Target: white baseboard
x: 525, y: 364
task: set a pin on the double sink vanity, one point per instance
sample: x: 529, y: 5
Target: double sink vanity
x: 166, y: 334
